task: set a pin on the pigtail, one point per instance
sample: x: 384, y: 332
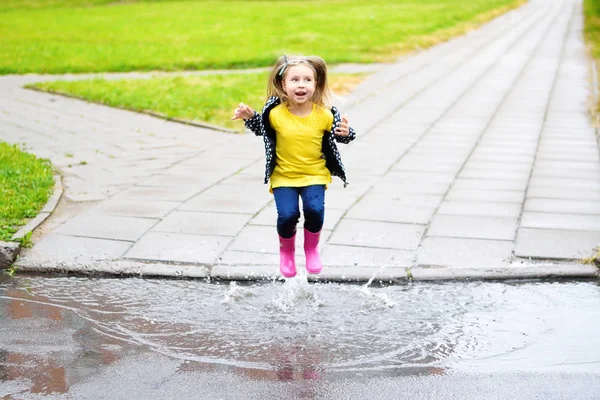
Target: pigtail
x: 275, y: 82
x: 322, y: 95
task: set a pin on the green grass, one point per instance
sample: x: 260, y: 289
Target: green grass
x: 57, y: 36
x: 592, y: 25
x: 207, y: 98
x: 25, y: 185
x: 11, y: 5
x: 591, y: 10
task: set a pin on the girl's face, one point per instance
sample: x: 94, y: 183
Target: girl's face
x: 299, y: 83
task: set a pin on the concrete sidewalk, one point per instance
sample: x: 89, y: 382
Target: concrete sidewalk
x: 474, y: 159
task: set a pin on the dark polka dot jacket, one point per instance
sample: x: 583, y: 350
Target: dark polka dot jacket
x: 260, y: 125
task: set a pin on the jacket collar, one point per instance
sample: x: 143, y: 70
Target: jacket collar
x: 271, y: 102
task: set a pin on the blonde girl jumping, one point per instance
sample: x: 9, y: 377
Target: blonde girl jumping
x: 299, y: 128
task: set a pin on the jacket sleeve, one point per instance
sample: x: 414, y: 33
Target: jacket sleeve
x: 336, y: 121
x: 255, y: 124
x: 346, y: 139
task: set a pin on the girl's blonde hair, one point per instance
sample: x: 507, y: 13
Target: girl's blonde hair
x: 322, y: 95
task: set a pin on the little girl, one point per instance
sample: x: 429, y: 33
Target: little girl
x: 299, y: 130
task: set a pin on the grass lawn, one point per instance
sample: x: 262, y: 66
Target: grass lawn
x: 207, y: 98
x: 592, y: 25
x: 592, y: 31
x: 56, y: 36
x: 25, y: 185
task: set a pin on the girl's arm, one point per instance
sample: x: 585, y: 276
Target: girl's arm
x: 251, y: 118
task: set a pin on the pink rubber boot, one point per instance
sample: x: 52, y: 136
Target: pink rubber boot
x: 287, y: 259
x: 311, y: 249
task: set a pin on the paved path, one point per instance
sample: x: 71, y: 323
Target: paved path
x: 475, y: 158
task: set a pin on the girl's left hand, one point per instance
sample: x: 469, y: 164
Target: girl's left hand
x: 343, y: 129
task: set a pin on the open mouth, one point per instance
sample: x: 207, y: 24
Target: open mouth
x: 300, y: 94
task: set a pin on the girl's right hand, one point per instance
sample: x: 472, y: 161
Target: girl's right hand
x: 243, y: 111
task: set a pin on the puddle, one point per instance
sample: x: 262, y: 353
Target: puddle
x: 71, y: 327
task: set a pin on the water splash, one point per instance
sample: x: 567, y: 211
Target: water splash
x: 375, y: 300
x: 372, y: 300
x: 295, y: 291
x: 373, y: 277
x: 236, y: 293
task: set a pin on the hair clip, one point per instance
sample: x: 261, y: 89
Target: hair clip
x: 284, y: 66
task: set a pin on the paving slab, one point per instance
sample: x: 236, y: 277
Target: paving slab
x: 562, y: 206
x: 503, y: 196
x: 352, y: 232
x: 57, y: 249
x: 557, y: 155
x: 137, y: 193
x: 338, y: 255
x: 337, y: 198
x: 548, y: 220
x: 564, y: 183
x: 556, y: 243
x: 178, y: 247
x: 384, y: 208
x: 438, y: 166
x: 165, y: 179
x: 135, y: 208
x: 561, y: 193
x: 476, y: 227
x: 592, y: 174
x: 493, y: 174
x: 230, y: 259
x: 107, y: 227
x: 499, y: 166
x: 203, y: 223
x: 232, y: 204
x: 480, y: 208
x: 489, y: 184
x: 573, y: 165
x: 454, y: 252
x: 408, y: 188
x: 479, y: 155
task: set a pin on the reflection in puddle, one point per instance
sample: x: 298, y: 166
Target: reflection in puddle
x: 45, y: 375
x: 58, y: 331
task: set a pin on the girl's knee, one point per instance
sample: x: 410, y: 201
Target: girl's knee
x: 288, y: 218
x: 314, y: 206
x: 314, y: 217
x: 314, y: 212
x: 286, y: 224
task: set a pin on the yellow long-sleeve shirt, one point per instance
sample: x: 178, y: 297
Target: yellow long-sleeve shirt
x: 298, y: 150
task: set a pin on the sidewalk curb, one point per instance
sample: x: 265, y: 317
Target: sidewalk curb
x: 538, y: 271
x: 10, y: 250
x: 332, y: 274
x: 122, y: 268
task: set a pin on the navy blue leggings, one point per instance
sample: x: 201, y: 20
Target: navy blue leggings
x: 288, y: 209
